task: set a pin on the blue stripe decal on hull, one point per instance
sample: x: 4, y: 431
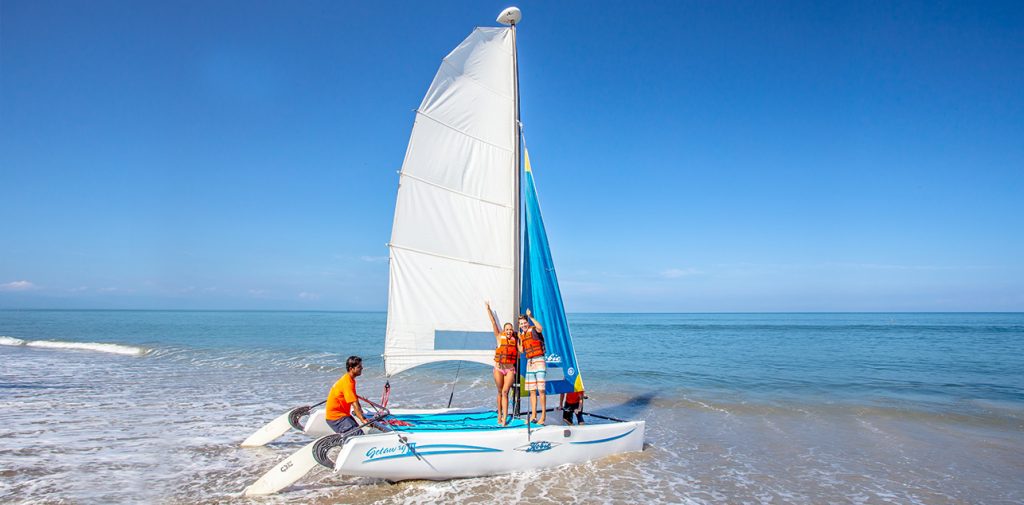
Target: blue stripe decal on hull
x: 604, y: 439
x: 427, y: 450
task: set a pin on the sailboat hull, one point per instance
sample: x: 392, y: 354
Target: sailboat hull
x: 456, y: 454
x: 316, y: 425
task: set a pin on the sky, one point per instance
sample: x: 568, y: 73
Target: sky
x: 690, y: 156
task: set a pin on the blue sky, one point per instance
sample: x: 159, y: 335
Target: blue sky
x: 690, y: 156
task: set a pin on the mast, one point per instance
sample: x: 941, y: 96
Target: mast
x: 517, y: 169
x: 511, y: 17
x: 518, y: 261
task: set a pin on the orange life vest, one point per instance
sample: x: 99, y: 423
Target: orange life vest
x: 506, y: 353
x: 533, y: 346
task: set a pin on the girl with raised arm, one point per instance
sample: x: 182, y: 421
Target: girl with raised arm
x: 506, y: 355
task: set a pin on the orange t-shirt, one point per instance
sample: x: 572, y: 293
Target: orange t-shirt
x: 341, y: 398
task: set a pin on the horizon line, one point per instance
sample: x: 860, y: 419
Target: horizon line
x: 345, y: 311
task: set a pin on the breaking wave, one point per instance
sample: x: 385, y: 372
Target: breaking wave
x: 126, y: 350
x: 11, y: 341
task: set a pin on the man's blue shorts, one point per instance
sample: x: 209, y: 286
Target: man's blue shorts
x: 343, y: 424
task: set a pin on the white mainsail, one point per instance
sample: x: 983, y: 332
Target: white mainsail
x: 453, y: 238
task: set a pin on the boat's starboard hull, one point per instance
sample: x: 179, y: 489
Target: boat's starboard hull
x: 456, y: 454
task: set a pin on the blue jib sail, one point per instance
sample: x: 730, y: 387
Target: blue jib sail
x: 542, y: 296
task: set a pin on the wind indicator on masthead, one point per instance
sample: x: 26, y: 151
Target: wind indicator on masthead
x: 510, y: 16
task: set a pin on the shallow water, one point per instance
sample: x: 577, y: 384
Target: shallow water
x: 754, y: 408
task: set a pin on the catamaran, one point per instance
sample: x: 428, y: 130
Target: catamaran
x: 467, y: 228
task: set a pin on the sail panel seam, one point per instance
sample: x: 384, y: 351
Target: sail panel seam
x: 457, y: 192
x: 474, y: 81
x: 456, y: 130
x: 453, y: 258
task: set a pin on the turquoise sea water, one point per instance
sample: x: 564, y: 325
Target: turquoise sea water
x: 804, y: 408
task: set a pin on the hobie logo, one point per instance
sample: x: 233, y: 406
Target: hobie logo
x: 537, y: 447
x: 553, y: 358
x: 379, y: 452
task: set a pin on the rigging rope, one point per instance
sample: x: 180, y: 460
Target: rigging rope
x: 452, y: 395
x: 386, y: 395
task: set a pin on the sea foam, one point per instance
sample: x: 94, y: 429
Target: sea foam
x: 126, y: 350
x: 11, y: 341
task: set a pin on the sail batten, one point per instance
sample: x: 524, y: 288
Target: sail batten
x: 452, y: 258
x: 455, y: 191
x: 442, y: 123
x: 478, y: 83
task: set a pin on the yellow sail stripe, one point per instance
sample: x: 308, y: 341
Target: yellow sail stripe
x: 526, y: 159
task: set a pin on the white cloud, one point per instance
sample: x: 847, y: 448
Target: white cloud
x: 368, y: 258
x: 878, y: 266
x: 675, y: 273
x: 17, y: 286
x: 257, y: 292
x: 309, y: 296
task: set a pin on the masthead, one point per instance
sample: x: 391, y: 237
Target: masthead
x: 510, y: 16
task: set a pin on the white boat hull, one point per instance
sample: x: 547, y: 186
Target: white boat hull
x: 316, y: 424
x: 441, y: 454
x: 455, y: 454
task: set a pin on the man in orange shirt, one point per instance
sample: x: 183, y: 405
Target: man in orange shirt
x: 342, y: 402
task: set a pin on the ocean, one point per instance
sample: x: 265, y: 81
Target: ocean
x: 150, y: 407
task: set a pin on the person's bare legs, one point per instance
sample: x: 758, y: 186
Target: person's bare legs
x: 499, y: 383
x: 509, y: 378
x: 533, y: 405
x: 543, y: 404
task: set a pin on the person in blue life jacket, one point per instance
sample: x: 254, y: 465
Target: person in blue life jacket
x: 531, y: 344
